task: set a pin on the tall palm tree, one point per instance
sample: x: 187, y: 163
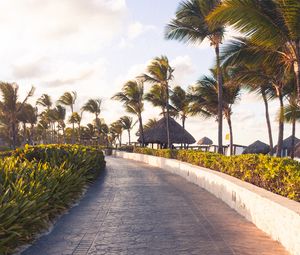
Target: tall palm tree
x: 131, y: 96
x: 10, y: 107
x: 69, y: 99
x: 180, y: 101
x: 45, y: 101
x: 127, y: 124
x: 266, y: 68
x: 190, y: 26
x: 60, y: 113
x: 292, y: 111
x: 27, y: 115
x: 116, y: 128
x: 273, y: 25
x: 157, y: 97
x: 150, y: 123
x: 75, y: 118
x: 206, y: 89
x: 93, y: 106
x: 159, y: 72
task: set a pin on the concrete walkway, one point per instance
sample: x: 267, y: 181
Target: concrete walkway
x: 137, y: 209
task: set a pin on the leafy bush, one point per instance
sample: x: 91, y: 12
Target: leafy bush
x: 39, y: 183
x: 127, y: 148
x: 278, y: 175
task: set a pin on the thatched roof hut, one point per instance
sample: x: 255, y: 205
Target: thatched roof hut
x: 158, y: 133
x: 205, y: 141
x: 287, y: 143
x: 257, y: 147
x: 287, y: 146
x: 297, y: 150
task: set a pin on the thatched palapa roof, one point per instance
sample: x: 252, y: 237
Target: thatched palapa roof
x: 297, y: 150
x: 158, y: 133
x: 205, y: 141
x: 287, y: 143
x: 257, y: 147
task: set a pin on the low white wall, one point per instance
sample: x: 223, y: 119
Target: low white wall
x: 277, y: 216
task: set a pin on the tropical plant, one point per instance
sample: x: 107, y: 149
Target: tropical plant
x: 116, y: 129
x: 204, y: 99
x: 60, y: 114
x: 75, y: 118
x: 28, y: 115
x: 266, y: 68
x: 69, y: 99
x: 273, y: 25
x: 45, y: 101
x: 132, y: 98
x: 10, y: 108
x: 150, y: 123
x: 159, y: 72
x: 127, y: 124
x: 190, y: 26
x: 180, y: 101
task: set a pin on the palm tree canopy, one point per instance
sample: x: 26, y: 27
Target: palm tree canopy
x: 132, y: 96
x: 45, y: 101
x: 270, y: 23
x: 27, y: 114
x: 75, y: 118
x: 68, y: 99
x: 127, y: 122
x: 190, y: 25
x: 159, y: 71
x: 93, y: 106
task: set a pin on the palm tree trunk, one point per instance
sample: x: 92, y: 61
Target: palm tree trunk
x: 230, y: 134
x: 297, y: 68
x: 168, y: 114
x: 293, y: 138
x: 24, y: 133
x: 79, y: 134
x: 14, y: 134
x: 64, y: 134
x: 281, y: 126
x: 263, y: 93
x: 141, y: 129
x: 129, y: 136
x: 220, y: 101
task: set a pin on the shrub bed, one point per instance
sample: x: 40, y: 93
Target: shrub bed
x: 278, y: 175
x: 39, y: 183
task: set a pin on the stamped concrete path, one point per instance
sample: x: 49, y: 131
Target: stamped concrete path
x: 138, y: 209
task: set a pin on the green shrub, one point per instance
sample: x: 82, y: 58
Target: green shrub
x: 39, y: 183
x: 278, y: 175
x: 127, y: 148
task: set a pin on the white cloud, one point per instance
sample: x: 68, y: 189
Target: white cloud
x: 183, y: 69
x: 134, y: 30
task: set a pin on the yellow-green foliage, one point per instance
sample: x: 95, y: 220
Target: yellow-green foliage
x: 278, y: 175
x: 39, y: 183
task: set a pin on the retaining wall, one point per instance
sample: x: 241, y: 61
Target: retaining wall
x: 277, y: 216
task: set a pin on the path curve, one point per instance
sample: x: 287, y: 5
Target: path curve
x: 138, y: 209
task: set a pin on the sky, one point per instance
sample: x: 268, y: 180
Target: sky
x: 94, y: 46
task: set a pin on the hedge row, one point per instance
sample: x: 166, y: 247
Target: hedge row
x: 278, y: 175
x: 39, y: 183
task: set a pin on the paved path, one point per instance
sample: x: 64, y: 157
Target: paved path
x: 137, y: 209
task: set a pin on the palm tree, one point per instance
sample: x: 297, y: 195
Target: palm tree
x: 60, y: 113
x: 45, y: 101
x: 150, y: 123
x: 266, y: 68
x: 116, y: 128
x: 93, y: 106
x: 180, y: 101
x: 127, y: 124
x: 132, y: 98
x: 292, y: 111
x: 10, y: 107
x: 157, y: 97
x: 27, y: 115
x: 68, y: 99
x: 206, y: 89
x: 75, y: 118
x: 159, y: 72
x: 190, y: 26
x: 273, y: 25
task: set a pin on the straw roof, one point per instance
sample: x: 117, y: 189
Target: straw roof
x: 257, y: 147
x: 205, y: 141
x: 287, y: 143
x: 158, y: 133
x: 297, y: 150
